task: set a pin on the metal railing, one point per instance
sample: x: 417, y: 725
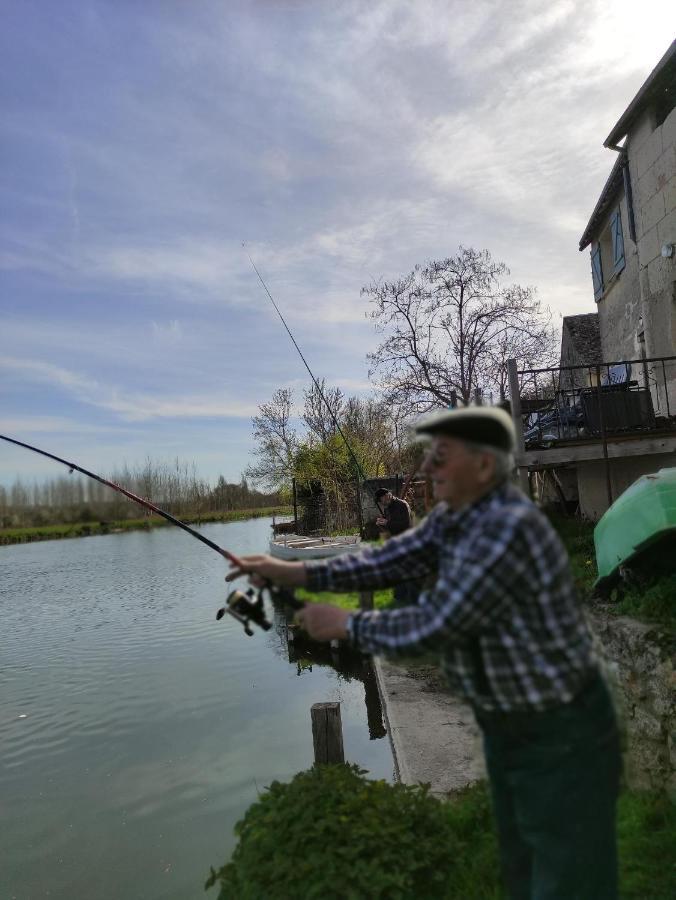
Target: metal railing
x: 573, y: 403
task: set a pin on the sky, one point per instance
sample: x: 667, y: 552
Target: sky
x: 142, y: 144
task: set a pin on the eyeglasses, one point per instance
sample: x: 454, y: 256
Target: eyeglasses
x: 434, y: 460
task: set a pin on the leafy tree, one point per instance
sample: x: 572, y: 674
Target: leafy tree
x: 448, y: 329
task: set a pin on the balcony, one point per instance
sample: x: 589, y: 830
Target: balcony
x: 571, y: 415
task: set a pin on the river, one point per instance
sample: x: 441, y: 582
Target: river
x: 135, y: 728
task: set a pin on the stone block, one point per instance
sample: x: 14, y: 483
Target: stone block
x: 663, y: 702
x: 669, y: 130
x: 666, y: 229
x: 640, y: 132
x: 645, y: 284
x: 649, y: 151
x: 644, y: 764
x: 660, y: 275
x: 670, y: 195
x: 648, y: 247
x: 645, y: 187
x: 664, y: 168
x: 652, y: 212
x: 644, y: 724
x: 671, y: 744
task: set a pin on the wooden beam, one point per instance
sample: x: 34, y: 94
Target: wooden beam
x: 556, y: 456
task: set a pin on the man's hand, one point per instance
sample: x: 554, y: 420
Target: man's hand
x: 381, y: 521
x: 322, y: 622
x: 262, y: 568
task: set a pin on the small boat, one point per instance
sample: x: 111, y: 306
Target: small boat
x: 294, y: 546
x: 641, y: 518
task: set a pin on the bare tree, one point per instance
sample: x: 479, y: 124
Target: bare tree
x: 276, y: 441
x: 449, y: 328
x: 321, y: 413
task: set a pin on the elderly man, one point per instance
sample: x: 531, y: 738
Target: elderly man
x: 513, y: 642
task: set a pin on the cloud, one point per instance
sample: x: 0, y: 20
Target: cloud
x: 167, y: 333
x: 344, y: 142
x: 129, y: 406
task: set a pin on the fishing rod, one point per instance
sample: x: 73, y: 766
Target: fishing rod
x: 243, y: 606
x: 314, y: 380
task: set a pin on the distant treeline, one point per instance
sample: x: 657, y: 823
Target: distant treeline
x: 173, y: 487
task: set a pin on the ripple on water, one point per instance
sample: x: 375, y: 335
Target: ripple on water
x: 147, y: 723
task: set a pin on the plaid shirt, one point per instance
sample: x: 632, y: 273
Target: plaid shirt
x: 503, y: 609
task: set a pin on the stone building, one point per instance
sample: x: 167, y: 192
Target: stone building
x: 632, y: 235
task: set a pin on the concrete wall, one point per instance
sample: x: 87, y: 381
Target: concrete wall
x: 591, y: 479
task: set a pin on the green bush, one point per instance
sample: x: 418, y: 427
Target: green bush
x: 332, y: 833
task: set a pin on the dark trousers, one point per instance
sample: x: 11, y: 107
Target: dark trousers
x: 554, y: 780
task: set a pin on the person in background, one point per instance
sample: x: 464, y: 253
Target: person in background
x: 396, y: 516
x: 503, y: 613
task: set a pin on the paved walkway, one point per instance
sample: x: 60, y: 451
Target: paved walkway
x: 434, y: 736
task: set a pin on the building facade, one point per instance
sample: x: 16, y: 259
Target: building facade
x: 632, y: 235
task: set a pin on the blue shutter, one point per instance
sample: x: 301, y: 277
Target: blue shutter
x: 617, y: 241
x: 597, y: 271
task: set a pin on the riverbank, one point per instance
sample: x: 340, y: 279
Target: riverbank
x: 87, y: 529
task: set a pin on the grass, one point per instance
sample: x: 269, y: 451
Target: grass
x: 647, y: 596
x: 381, y: 599
x: 646, y: 828
x: 469, y: 813
x: 87, y: 529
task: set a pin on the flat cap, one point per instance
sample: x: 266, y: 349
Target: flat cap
x: 487, y: 425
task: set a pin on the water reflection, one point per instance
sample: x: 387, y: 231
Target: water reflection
x: 343, y: 659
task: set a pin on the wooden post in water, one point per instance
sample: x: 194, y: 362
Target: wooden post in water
x: 366, y: 600
x: 327, y: 733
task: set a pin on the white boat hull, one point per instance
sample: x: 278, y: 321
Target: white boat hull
x: 295, y: 547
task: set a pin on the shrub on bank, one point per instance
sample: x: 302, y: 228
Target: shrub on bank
x: 332, y: 833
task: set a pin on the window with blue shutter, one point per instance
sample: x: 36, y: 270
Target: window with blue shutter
x: 617, y: 241
x: 597, y: 271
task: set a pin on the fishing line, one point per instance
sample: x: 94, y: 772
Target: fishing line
x: 316, y: 383
x: 140, y: 500
x: 244, y: 607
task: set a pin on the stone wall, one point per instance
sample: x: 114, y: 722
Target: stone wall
x: 640, y: 662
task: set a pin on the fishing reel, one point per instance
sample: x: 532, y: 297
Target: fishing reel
x: 248, y: 606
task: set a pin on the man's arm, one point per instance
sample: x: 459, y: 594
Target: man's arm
x: 413, y: 554
x: 470, y: 594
